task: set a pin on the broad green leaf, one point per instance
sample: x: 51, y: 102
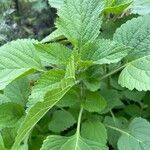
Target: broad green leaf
x: 137, y: 137
x: 118, y: 6
x: 10, y: 113
x: 38, y: 110
x: 141, y: 7
x: 114, y: 123
x: 135, y: 33
x: 48, y: 81
x: 17, y: 58
x: 53, y: 53
x: 2, y: 146
x: 61, y: 120
x: 55, y: 35
x: 94, y: 102
x: 82, y: 23
x: 76, y: 142
x: 104, y: 52
x: 94, y: 130
x: 56, y: 3
x: 18, y: 91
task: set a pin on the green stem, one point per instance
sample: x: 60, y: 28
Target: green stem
x: 112, y: 72
x: 79, y: 121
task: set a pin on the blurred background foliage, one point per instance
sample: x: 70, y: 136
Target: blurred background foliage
x: 25, y: 19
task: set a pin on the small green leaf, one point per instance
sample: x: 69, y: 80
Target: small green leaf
x: 61, y: 120
x: 94, y: 102
x: 17, y: 58
x: 82, y: 23
x: 69, y: 99
x: 112, y: 99
x: 137, y: 137
x: 48, y: 81
x: 118, y: 6
x: 94, y: 130
x: 10, y: 113
x: 104, y: 52
x: 49, y: 53
x: 18, y: 91
x: 55, y: 35
x: 76, y: 142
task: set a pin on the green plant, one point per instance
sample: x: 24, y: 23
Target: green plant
x: 63, y: 94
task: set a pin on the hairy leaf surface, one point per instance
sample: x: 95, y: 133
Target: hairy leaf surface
x: 17, y: 58
x: 82, y: 23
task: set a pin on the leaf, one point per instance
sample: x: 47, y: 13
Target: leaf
x: 133, y: 110
x: 112, y: 124
x: 70, y: 99
x: 2, y: 146
x: 134, y: 95
x: 48, y: 81
x: 94, y: 102
x: 112, y: 99
x: 56, y: 3
x: 82, y: 23
x: 94, y: 130
x: 104, y: 52
x: 55, y: 142
x: 49, y: 53
x: 10, y: 113
x: 140, y: 7
x: 137, y: 137
x: 55, y: 35
x: 50, y: 99
x: 18, y: 91
x: 61, y: 120
x: 17, y: 58
x: 118, y: 6
x: 135, y: 33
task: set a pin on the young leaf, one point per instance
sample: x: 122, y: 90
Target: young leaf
x: 140, y: 7
x: 82, y: 23
x: 94, y: 102
x: 53, y: 53
x: 18, y: 91
x: 55, y: 35
x: 10, y: 113
x: 104, y: 52
x: 17, y: 58
x: 76, y: 142
x: 70, y: 99
x: 112, y: 99
x: 135, y: 33
x: 48, y: 81
x: 137, y: 137
x: 118, y: 6
x: 61, y: 120
x: 50, y: 99
x: 94, y: 130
